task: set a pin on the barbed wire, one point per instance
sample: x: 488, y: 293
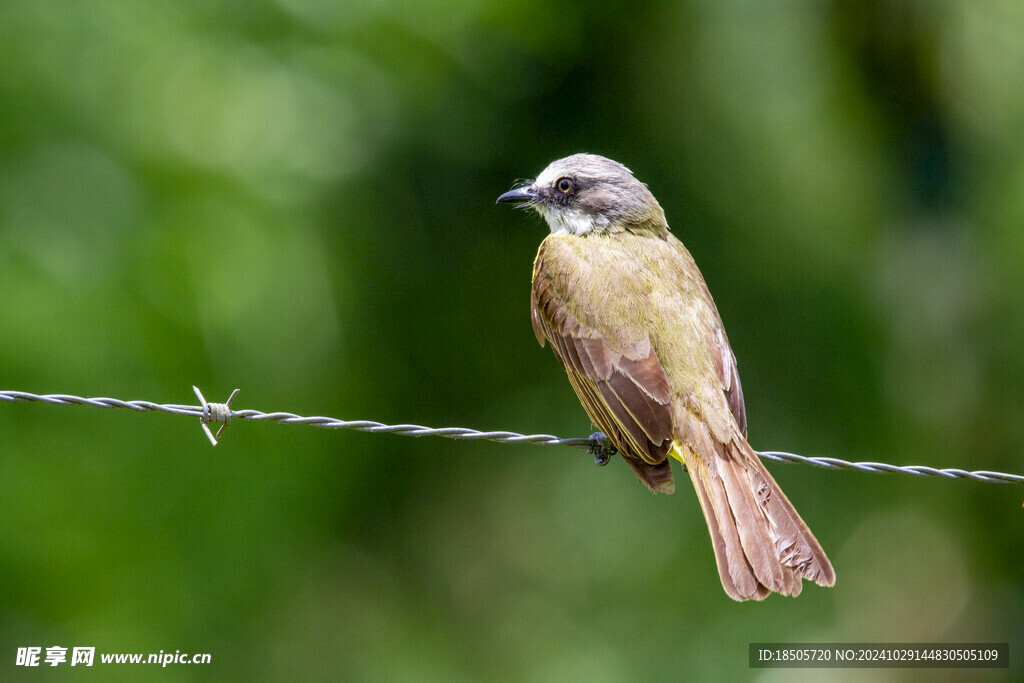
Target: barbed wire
x: 222, y: 414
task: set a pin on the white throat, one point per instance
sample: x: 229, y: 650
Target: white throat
x: 568, y: 221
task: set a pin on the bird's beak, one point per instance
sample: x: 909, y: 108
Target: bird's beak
x: 520, y: 194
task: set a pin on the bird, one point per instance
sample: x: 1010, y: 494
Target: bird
x: 629, y: 316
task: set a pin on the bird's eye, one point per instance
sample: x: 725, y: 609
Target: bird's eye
x: 565, y: 185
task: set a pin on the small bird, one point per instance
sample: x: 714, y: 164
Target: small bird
x: 629, y: 317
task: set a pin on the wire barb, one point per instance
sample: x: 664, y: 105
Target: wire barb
x: 217, y: 413
x: 221, y: 413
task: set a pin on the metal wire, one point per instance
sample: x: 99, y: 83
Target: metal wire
x: 221, y: 413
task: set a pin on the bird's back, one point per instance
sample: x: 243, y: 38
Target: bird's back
x: 635, y: 289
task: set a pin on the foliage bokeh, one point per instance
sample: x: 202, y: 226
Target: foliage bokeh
x: 297, y: 198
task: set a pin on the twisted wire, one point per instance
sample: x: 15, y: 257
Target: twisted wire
x: 221, y: 413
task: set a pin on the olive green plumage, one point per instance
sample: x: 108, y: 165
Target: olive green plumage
x: 628, y: 315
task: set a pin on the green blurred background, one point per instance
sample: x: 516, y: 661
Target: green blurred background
x: 297, y: 198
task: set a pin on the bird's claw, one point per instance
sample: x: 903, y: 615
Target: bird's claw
x: 602, y: 449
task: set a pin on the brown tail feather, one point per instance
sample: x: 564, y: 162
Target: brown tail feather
x: 761, y: 544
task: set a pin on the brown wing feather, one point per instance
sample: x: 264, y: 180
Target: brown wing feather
x: 725, y: 364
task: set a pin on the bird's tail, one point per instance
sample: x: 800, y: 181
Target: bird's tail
x: 761, y: 544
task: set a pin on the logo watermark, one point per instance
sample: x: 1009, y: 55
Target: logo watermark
x: 58, y: 655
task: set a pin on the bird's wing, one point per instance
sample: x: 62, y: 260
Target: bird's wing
x: 725, y: 362
x: 621, y: 384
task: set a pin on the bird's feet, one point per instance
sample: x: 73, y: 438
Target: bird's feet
x: 602, y: 449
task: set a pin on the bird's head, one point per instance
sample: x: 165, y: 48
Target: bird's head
x: 587, y: 193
